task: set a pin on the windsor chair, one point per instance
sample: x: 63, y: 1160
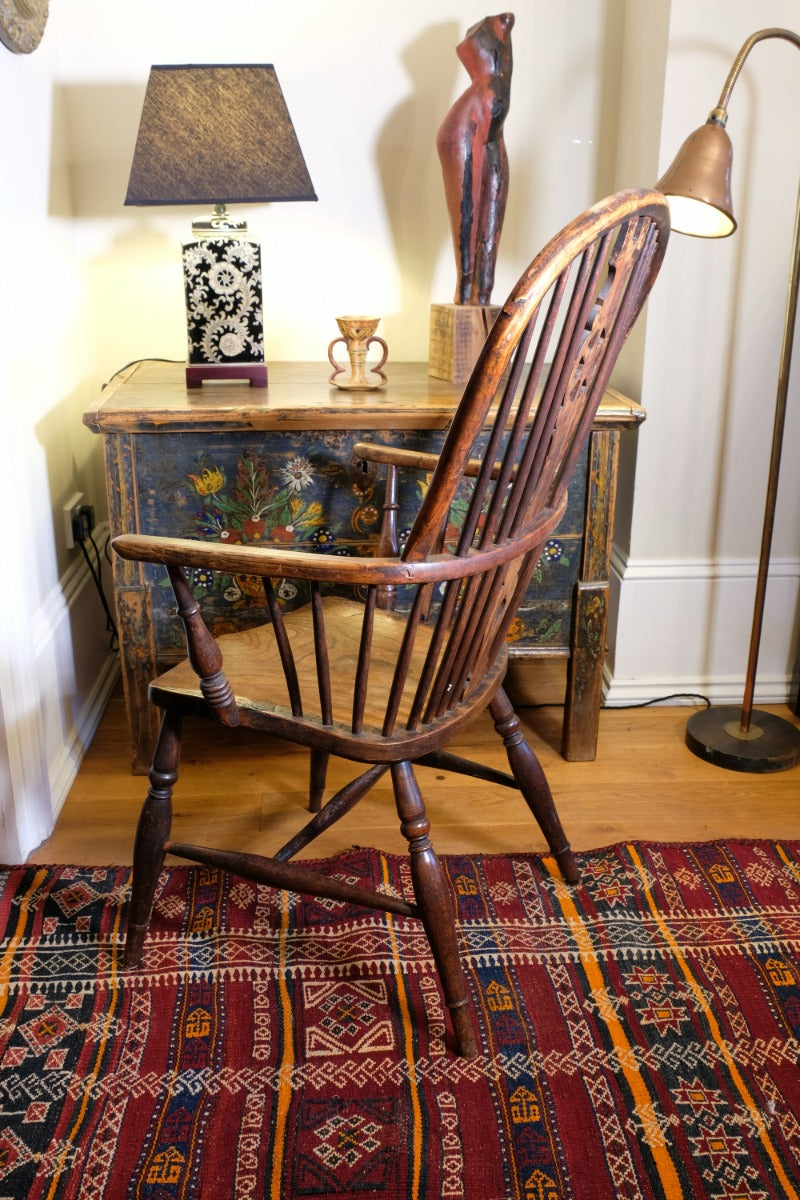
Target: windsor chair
x: 388, y: 685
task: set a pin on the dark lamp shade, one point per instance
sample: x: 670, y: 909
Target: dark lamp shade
x: 216, y: 135
x: 698, y: 184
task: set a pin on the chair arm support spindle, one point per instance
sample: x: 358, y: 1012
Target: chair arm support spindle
x: 203, y: 652
x: 388, y: 543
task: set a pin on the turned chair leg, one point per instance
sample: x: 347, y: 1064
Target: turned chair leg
x: 435, y: 902
x: 533, y: 784
x: 152, y: 833
x: 318, y: 775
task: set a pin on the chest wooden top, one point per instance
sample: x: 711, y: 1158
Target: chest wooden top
x: 152, y: 397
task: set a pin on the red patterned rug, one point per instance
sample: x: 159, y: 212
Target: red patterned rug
x: 639, y: 1035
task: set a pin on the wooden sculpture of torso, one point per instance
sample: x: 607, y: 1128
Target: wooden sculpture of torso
x: 473, y: 156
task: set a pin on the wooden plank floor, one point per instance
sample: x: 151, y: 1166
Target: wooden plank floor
x: 644, y: 784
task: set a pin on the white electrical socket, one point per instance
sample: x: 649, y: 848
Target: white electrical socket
x: 71, y: 509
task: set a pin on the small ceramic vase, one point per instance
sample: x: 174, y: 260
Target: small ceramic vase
x: 358, y: 334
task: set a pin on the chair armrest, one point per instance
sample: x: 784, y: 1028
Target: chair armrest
x: 275, y: 563
x: 322, y: 568
x: 415, y: 460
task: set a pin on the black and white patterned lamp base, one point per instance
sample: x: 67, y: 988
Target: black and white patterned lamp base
x: 222, y: 279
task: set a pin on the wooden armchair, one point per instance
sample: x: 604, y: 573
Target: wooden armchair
x: 389, y: 689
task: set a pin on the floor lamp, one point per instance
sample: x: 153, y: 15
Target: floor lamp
x: 697, y: 186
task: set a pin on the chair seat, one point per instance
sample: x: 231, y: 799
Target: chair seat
x: 251, y: 662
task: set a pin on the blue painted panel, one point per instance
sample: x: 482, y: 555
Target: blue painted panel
x: 305, y: 489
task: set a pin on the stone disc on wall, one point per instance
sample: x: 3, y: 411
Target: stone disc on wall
x: 22, y: 24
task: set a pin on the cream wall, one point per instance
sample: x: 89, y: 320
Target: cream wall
x: 367, y: 85
x: 687, y: 546
x: 91, y: 285
x: 55, y: 666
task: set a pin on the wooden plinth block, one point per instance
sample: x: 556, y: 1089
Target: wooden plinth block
x: 255, y: 372
x: 457, y: 334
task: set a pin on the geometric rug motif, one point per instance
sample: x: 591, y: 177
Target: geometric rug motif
x: 639, y: 1034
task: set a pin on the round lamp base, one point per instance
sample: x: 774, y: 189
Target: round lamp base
x: 770, y: 744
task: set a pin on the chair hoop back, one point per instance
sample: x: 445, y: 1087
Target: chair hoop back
x: 542, y: 373
x: 545, y: 365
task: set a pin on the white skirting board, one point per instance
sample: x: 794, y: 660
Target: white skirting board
x: 684, y: 626
x: 52, y: 708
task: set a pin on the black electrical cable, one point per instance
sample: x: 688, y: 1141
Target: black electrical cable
x: 663, y: 700
x: 96, y: 574
x: 135, y: 362
x: 639, y: 704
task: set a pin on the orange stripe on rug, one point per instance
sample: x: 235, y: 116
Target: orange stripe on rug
x: 792, y: 867
x: 625, y: 1053
x: 16, y: 939
x: 713, y: 1025
x: 408, y: 1037
x: 284, y: 1094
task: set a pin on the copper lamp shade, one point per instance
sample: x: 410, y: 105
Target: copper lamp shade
x: 698, y: 183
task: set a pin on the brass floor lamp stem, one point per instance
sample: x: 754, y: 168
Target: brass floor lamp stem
x: 774, y: 472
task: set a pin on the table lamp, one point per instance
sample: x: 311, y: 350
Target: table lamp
x: 219, y: 135
x: 697, y: 186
